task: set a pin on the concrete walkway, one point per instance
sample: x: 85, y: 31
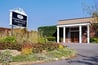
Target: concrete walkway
x: 87, y: 55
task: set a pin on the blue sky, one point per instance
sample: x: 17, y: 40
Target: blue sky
x: 43, y: 12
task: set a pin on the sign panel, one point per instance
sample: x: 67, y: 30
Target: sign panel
x: 19, y: 19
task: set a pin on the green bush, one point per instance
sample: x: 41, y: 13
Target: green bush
x: 41, y: 40
x: 51, y: 38
x: 8, y: 39
x: 94, y: 40
x: 47, y: 30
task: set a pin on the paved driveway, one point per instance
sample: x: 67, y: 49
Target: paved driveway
x: 87, y: 55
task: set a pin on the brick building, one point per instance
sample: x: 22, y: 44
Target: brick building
x: 78, y: 30
x: 4, y: 31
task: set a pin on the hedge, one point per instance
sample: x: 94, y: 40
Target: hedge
x: 11, y: 46
x: 51, y: 38
x: 38, y: 48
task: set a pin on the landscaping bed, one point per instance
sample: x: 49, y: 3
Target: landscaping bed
x: 27, y: 52
x: 44, y: 56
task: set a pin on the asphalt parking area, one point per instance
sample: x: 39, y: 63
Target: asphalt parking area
x: 87, y: 55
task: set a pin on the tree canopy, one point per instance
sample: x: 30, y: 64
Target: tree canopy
x: 48, y: 31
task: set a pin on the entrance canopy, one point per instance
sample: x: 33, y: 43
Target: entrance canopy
x: 74, y: 30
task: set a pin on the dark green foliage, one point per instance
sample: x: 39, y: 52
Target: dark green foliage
x: 10, y: 46
x: 50, y: 32
x: 47, y: 30
x: 94, y: 40
x: 51, y: 38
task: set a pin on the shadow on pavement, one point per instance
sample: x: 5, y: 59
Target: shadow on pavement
x: 87, y: 60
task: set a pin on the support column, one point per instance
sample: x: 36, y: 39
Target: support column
x: 80, y: 34
x: 64, y: 33
x: 57, y: 34
x: 88, y: 34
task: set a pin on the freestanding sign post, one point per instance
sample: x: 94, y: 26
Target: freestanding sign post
x: 18, y: 18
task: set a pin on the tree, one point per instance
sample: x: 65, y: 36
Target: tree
x: 93, y: 12
x: 48, y: 32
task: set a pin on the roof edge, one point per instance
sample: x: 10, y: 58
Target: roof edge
x: 74, y: 18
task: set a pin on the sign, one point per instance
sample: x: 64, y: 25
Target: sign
x: 18, y: 19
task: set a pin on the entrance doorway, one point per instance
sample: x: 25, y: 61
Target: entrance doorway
x: 74, y: 34
x: 75, y: 37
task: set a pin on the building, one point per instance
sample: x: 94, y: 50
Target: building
x: 4, y: 31
x: 78, y: 30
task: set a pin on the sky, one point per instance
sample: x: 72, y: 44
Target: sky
x: 43, y: 12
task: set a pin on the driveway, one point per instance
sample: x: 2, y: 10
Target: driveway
x: 87, y: 55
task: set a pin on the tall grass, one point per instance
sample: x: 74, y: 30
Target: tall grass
x: 22, y: 35
x: 25, y: 35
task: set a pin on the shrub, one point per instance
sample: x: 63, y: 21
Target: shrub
x: 17, y: 46
x: 38, y: 48
x: 8, y: 39
x: 94, y: 40
x: 41, y: 40
x: 51, y: 46
x: 27, y: 48
x: 51, y: 38
x: 47, y: 30
x: 61, y: 46
x: 4, y: 46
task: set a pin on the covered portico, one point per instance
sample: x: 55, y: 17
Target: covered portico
x: 74, y: 31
